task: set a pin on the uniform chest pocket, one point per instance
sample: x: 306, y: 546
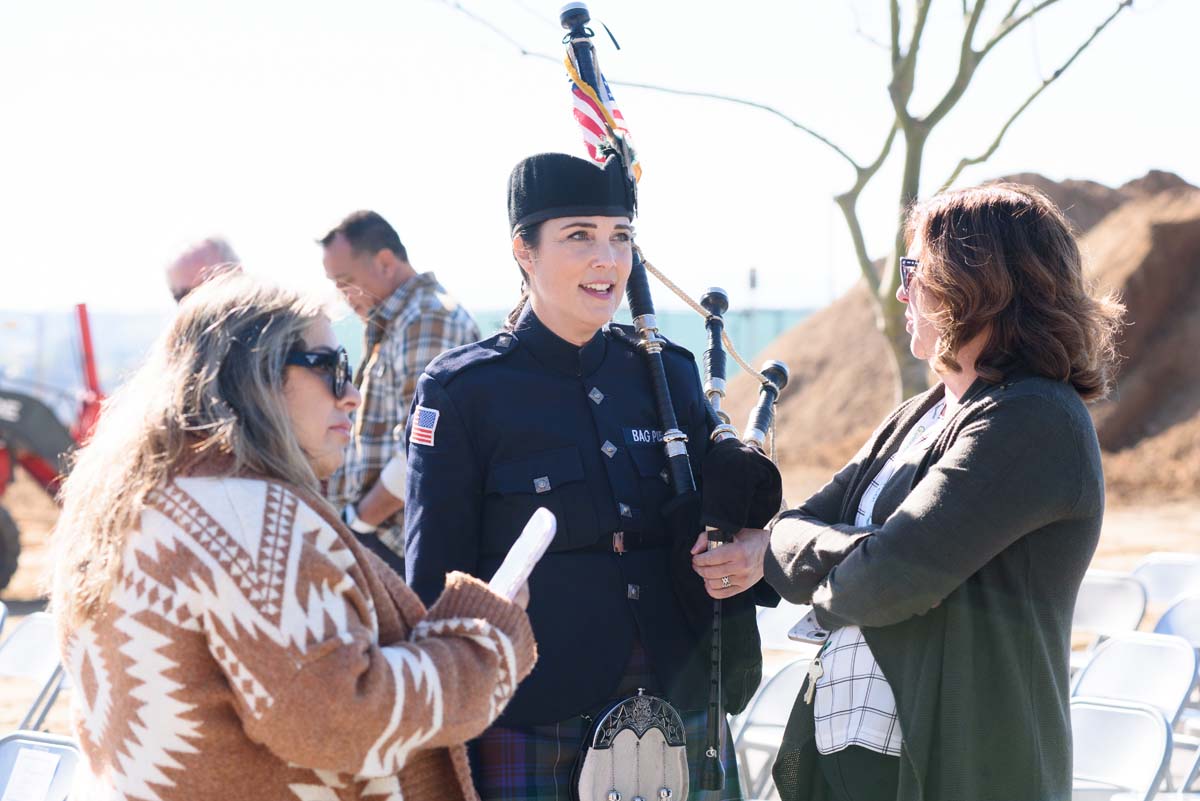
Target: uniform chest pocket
x: 554, y: 479
x: 650, y: 464
x: 650, y: 461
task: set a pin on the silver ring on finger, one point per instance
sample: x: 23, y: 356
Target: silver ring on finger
x: 725, y: 582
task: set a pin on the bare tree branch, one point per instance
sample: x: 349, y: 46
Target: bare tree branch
x: 968, y: 60
x: 968, y: 162
x: 867, y: 172
x: 918, y: 30
x: 553, y: 23
x: 665, y: 89
x: 895, y: 17
x: 492, y: 27
x: 741, y: 101
x: 861, y: 32
x: 1012, y: 10
x: 904, y: 70
x: 1009, y: 25
x: 848, y: 203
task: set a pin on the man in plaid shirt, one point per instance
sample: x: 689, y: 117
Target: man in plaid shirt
x: 409, y: 321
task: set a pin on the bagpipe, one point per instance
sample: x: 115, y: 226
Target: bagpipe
x: 639, y: 741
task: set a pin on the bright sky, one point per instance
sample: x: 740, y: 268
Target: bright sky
x: 132, y: 127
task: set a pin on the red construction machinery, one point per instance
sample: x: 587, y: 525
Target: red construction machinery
x: 34, y: 438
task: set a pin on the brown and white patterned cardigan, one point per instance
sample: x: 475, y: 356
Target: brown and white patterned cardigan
x: 252, y: 649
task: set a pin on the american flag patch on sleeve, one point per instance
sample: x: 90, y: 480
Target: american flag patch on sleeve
x: 424, y: 425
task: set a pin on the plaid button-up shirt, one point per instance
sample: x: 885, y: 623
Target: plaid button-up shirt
x: 405, y: 333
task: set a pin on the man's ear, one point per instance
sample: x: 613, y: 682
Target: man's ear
x: 386, y: 262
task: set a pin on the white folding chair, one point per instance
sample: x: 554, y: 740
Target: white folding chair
x: 40, y: 765
x: 1182, y: 619
x: 31, y: 653
x: 1168, y: 575
x: 1154, y: 669
x: 1108, y: 603
x: 762, y: 725
x: 1118, y: 747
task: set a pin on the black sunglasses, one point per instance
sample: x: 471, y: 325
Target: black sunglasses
x: 908, y: 268
x: 335, y: 363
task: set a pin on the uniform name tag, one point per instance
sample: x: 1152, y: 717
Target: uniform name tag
x: 645, y: 435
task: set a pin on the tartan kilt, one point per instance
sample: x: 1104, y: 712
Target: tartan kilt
x: 534, y: 763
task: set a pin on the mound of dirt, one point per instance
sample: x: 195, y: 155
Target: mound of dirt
x: 1141, y: 240
x: 840, y: 386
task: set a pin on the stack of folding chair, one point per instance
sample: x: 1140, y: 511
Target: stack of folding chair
x: 1121, y: 749
x: 1168, y: 576
x: 30, y: 652
x: 34, y: 764
x: 1108, y: 603
x: 1153, y: 671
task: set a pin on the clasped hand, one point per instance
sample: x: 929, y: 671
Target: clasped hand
x: 734, y: 566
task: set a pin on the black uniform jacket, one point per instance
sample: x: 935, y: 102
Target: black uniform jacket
x: 525, y: 419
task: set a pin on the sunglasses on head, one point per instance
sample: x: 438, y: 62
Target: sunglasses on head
x: 334, y: 363
x: 908, y: 268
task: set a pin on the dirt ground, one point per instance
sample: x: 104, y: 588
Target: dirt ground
x: 1130, y: 532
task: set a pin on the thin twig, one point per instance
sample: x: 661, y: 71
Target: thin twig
x: 861, y: 32
x: 969, y: 162
x: 874, y: 166
x: 743, y: 102
x: 968, y: 61
x: 1009, y: 25
x: 1012, y: 10
x: 848, y: 203
x: 904, y: 69
x: 494, y: 29
x: 534, y: 13
x: 894, y: 7
x: 664, y: 89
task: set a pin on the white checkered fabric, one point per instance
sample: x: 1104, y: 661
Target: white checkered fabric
x: 854, y: 704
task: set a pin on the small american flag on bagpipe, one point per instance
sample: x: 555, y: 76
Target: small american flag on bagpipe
x: 600, y: 120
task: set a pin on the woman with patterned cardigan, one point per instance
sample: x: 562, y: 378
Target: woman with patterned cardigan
x: 227, y: 636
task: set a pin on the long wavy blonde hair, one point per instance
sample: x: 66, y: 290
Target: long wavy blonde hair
x: 212, y: 386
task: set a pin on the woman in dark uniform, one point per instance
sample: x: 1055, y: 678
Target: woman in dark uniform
x: 557, y: 411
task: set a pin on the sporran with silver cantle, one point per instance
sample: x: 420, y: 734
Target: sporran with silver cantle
x: 635, y: 750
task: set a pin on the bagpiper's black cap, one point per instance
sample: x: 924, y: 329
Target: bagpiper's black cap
x: 551, y: 185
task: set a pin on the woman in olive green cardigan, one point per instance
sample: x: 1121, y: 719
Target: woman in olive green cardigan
x: 946, y: 556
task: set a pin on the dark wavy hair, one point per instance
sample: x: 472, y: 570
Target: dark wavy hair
x: 1003, y: 258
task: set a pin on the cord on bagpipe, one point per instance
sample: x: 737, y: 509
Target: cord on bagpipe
x: 725, y: 340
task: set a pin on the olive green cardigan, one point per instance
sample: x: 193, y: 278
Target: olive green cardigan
x: 963, y: 584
